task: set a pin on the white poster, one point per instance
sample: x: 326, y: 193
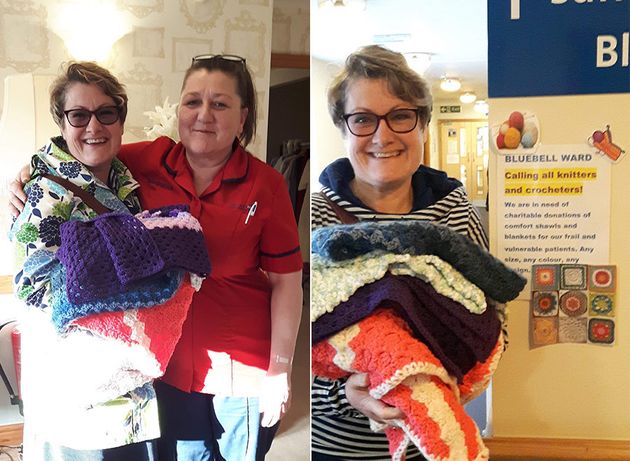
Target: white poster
x: 553, y: 208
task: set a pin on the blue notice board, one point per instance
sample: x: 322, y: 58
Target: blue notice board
x: 558, y: 47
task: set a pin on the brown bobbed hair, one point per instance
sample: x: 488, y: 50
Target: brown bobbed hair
x: 88, y: 73
x: 244, y: 87
x: 377, y: 62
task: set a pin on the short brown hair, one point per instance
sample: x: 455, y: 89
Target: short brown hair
x: 377, y: 62
x: 88, y: 73
x: 244, y: 87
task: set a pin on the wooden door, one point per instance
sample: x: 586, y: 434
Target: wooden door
x: 464, y: 155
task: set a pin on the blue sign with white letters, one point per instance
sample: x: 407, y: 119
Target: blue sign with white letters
x: 558, y: 47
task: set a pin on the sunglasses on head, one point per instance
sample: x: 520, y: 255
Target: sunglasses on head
x: 222, y: 57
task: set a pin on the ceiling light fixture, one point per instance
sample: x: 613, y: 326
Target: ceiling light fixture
x: 418, y: 61
x: 468, y: 97
x: 450, y: 84
x: 357, y: 5
x: 481, y: 106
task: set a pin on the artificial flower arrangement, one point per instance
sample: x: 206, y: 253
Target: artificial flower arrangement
x: 164, y: 120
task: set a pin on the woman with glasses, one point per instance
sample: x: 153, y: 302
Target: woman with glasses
x: 228, y: 382
x: 89, y: 105
x: 382, y: 108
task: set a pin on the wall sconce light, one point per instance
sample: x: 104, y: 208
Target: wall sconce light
x: 467, y: 97
x: 481, y: 106
x: 418, y: 61
x: 450, y: 84
x: 86, y: 39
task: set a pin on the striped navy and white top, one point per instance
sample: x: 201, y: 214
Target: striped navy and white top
x: 337, y: 428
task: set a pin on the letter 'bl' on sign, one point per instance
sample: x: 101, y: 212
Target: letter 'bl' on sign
x: 607, y: 55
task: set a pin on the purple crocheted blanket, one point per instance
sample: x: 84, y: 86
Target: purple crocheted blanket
x: 108, y: 253
x: 457, y: 337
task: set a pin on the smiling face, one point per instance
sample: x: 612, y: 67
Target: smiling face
x: 210, y: 114
x: 94, y: 145
x: 384, y: 160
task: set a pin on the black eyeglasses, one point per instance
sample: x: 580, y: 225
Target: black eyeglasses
x: 79, y: 118
x: 398, y: 120
x: 224, y: 57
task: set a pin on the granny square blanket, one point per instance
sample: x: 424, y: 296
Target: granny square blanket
x: 152, y: 291
x: 347, y: 241
x: 103, y: 356
x: 112, y: 251
x: 335, y: 281
x: 457, y: 338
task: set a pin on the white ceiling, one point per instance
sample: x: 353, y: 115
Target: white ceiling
x: 454, y: 31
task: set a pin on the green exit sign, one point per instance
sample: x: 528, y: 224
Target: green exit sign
x: 450, y: 109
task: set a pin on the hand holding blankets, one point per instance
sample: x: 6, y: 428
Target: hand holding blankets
x: 125, y: 299
x: 404, y: 373
x: 341, y: 242
x: 104, y: 356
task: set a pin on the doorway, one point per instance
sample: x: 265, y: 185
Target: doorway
x: 464, y: 155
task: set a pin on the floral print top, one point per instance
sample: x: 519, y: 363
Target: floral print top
x: 128, y: 419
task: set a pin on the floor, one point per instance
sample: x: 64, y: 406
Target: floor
x: 292, y: 443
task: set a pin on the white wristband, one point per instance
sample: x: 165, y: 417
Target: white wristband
x: 281, y: 359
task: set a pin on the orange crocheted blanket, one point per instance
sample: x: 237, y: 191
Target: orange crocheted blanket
x: 404, y: 373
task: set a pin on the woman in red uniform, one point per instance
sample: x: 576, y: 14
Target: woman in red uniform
x: 233, y: 361
x: 234, y: 358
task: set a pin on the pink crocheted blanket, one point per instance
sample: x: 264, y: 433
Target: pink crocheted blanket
x: 405, y: 374
x: 135, y: 347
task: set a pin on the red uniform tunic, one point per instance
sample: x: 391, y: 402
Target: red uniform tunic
x: 248, y: 224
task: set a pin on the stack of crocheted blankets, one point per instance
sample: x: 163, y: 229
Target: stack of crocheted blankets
x: 412, y: 304
x: 120, y: 298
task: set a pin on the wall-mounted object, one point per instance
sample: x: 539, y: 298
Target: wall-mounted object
x: 86, y: 39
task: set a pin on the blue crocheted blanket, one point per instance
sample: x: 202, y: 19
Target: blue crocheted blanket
x: 346, y: 241
x: 152, y: 291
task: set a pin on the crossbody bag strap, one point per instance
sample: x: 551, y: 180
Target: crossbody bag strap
x: 86, y: 197
x: 344, y: 216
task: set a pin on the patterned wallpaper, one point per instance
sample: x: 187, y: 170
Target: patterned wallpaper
x: 163, y: 36
x: 152, y: 57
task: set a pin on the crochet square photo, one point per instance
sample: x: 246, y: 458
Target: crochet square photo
x: 544, y: 331
x: 572, y: 330
x: 544, y: 303
x: 573, y: 277
x: 573, y: 303
x: 602, y: 304
x: 602, y: 278
x: 544, y: 277
x: 601, y: 331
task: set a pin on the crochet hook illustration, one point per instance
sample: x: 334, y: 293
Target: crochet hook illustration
x: 602, y: 141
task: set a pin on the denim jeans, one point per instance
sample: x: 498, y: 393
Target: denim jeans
x: 203, y: 427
